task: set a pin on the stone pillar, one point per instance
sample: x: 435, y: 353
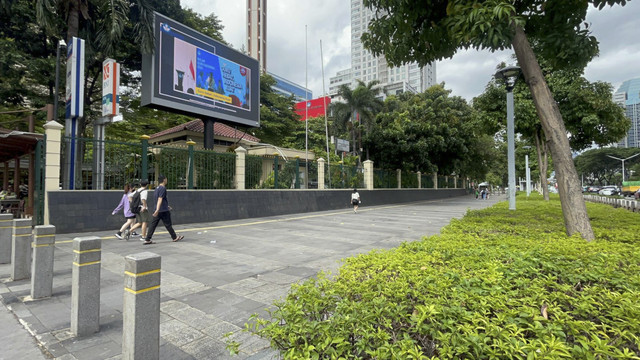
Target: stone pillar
x: 419, y: 180
x: 241, y: 168
x: 141, y: 307
x: 435, y: 180
x: 20, y: 249
x: 446, y: 181
x: 399, y: 177
x: 321, y: 173
x: 455, y: 182
x: 44, y: 238
x: 52, y: 163
x: 6, y: 230
x: 85, y: 286
x: 368, y: 174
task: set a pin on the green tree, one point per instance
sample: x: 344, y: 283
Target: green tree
x: 599, y: 169
x: 588, y: 111
x: 278, y: 119
x: 358, y: 110
x: 429, y: 132
x: 431, y: 30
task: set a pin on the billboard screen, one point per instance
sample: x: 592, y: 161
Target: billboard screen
x: 315, y: 107
x: 193, y: 74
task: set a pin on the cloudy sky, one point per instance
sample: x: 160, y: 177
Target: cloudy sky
x: 466, y: 74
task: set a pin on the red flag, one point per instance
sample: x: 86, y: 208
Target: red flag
x: 193, y: 72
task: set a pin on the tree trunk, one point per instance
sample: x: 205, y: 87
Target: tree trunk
x: 73, y: 20
x: 543, y: 164
x: 574, y: 209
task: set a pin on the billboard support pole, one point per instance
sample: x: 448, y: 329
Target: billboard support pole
x: 98, y: 152
x: 208, y: 132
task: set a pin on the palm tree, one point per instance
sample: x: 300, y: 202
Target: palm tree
x: 106, y: 19
x: 359, y: 107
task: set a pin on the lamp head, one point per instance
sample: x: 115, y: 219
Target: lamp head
x: 62, y: 43
x: 509, y: 74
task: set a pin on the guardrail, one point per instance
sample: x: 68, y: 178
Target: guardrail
x: 631, y: 205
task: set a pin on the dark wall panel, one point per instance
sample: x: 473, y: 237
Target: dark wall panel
x: 82, y: 211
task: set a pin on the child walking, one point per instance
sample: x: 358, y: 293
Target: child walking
x: 130, y: 217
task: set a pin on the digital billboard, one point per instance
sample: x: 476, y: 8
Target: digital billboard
x: 193, y: 74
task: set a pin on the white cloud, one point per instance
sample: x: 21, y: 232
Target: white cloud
x: 466, y: 74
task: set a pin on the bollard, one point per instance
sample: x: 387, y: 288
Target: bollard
x: 20, y: 249
x: 85, y: 286
x: 44, y: 240
x: 6, y: 228
x: 141, y: 307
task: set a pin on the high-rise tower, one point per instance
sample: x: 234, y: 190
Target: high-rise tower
x: 367, y: 67
x: 628, y: 96
x: 257, y: 31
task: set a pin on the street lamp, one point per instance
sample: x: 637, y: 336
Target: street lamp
x: 61, y: 45
x: 510, y: 74
x: 526, y: 164
x: 623, y: 160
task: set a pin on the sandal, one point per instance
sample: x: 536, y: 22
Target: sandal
x: 178, y: 238
x: 148, y: 242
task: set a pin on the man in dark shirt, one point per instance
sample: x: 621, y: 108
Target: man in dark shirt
x: 163, y: 212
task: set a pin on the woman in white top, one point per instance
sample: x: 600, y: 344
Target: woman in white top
x: 355, y: 200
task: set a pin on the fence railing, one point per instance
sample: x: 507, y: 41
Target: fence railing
x: 188, y: 168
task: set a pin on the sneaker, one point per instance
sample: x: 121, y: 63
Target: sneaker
x: 119, y: 235
x: 127, y: 234
x: 134, y: 233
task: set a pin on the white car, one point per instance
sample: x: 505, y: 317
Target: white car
x: 608, y: 191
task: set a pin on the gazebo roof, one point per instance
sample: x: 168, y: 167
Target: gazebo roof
x: 14, y: 143
x: 219, y: 129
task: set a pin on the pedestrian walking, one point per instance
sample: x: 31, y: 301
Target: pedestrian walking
x: 163, y: 212
x: 130, y: 217
x: 355, y: 200
x: 140, y: 208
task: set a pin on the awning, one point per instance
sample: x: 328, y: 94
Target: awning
x: 15, y: 143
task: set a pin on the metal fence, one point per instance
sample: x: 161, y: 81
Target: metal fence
x: 123, y: 162
x: 385, y: 179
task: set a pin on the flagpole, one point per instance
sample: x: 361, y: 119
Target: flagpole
x: 306, y: 113
x: 326, y: 124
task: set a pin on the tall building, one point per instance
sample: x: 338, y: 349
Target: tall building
x: 367, y: 67
x: 628, y: 96
x: 257, y: 31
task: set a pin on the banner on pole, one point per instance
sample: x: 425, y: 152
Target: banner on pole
x: 110, y: 88
x: 75, y: 79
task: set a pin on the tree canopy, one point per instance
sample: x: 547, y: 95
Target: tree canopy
x: 425, y: 31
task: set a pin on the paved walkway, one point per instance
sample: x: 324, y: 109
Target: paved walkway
x: 213, y: 281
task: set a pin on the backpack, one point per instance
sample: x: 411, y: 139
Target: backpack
x: 136, y: 202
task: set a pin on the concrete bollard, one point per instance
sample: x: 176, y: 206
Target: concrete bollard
x: 44, y: 240
x: 6, y: 228
x: 85, y: 286
x: 21, y: 249
x: 141, y: 307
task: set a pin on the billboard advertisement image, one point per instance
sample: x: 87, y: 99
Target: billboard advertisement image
x: 193, y: 74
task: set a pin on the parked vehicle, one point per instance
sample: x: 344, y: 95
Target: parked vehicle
x: 637, y: 195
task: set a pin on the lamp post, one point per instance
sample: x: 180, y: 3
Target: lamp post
x: 510, y: 74
x: 623, y: 160
x: 61, y: 45
x: 528, y: 171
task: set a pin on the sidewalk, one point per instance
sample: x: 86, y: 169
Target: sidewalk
x: 213, y: 281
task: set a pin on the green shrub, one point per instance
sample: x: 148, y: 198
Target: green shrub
x: 496, y: 284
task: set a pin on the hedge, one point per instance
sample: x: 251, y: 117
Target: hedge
x: 496, y: 284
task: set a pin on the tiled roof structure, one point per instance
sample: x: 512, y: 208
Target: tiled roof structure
x: 219, y: 129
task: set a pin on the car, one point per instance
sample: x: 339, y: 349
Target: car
x: 637, y: 195
x: 609, y: 190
